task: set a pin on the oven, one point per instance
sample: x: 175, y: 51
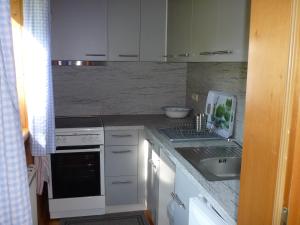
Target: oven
x: 76, y: 186
x: 76, y: 174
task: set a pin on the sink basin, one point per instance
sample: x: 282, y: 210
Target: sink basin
x: 220, y: 168
x: 214, y: 163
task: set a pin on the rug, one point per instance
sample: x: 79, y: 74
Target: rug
x: 126, y: 218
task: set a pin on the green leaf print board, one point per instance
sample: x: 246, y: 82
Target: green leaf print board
x: 220, y: 110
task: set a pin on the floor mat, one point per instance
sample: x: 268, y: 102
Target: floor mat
x: 127, y: 218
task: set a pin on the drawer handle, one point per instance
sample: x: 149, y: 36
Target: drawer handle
x: 128, y: 55
x: 184, y: 54
x: 121, y: 152
x: 121, y: 135
x: 95, y: 54
x: 168, y: 56
x: 177, y: 200
x: 121, y: 182
x: 225, y: 52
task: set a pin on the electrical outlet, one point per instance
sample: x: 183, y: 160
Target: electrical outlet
x: 195, y: 97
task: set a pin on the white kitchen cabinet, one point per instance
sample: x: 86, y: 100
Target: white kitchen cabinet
x: 121, y: 166
x: 208, y: 30
x: 184, y: 189
x: 121, y: 190
x: 166, y: 187
x: 179, y: 30
x: 204, y: 27
x: 153, y: 30
x: 123, y: 30
x: 121, y: 137
x: 153, y: 180
x: 79, y: 29
x: 233, y: 29
x: 121, y: 160
x: 220, y: 26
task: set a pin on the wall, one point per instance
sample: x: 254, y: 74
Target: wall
x: 227, y: 77
x: 119, y: 88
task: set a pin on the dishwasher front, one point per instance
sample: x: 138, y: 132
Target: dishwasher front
x: 201, y: 212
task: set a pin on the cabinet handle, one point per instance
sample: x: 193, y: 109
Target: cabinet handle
x: 168, y: 56
x: 177, y: 200
x: 121, y: 135
x: 121, y: 182
x: 121, y: 152
x: 224, y: 52
x: 128, y: 55
x: 95, y: 54
x: 184, y: 54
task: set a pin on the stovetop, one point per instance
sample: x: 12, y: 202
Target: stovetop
x: 78, y: 122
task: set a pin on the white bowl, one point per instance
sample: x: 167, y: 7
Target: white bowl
x: 176, y: 112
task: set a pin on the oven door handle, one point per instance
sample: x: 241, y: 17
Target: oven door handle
x: 78, y: 150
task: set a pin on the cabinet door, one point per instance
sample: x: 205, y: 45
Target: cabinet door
x: 121, y: 190
x: 123, y: 30
x: 153, y: 182
x: 204, y: 29
x: 121, y: 160
x: 153, y: 30
x: 179, y: 29
x: 184, y: 189
x: 218, y: 26
x: 79, y: 29
x: 233, y: 29
x: 166, y: 187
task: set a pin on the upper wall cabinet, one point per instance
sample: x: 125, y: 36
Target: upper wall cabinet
x: 153, y: 30
x: 79, y: 29
x: 136, y: 30
x: 109, y: 30
x: 123, y: 30
x: 179, y: 30
x: 208, y: 30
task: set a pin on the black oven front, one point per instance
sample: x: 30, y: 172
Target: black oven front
x: 76, y: 172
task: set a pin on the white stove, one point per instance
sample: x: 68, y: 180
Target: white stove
x: 76, y: 187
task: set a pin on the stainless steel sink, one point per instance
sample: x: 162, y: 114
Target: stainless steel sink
x: 215, y: 162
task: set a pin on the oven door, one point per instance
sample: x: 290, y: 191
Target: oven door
x: 77, y: 172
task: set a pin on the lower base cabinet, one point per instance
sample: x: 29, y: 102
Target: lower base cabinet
x: 160, y: 183
x: 153, y: 180
x: 122, y: 182
x: 166, y: 188
x: 121, y: 190
x: 184, y: 190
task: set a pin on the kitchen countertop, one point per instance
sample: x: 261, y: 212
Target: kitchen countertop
x: 225, y: 193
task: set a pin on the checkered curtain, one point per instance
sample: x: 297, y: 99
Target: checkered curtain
x: 14, y: 189
x: 38, y: 76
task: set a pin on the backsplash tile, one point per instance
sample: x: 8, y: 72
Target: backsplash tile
x: 219, y: 76
x: 119, y: 88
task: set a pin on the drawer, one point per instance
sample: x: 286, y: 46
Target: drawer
x: 121, y: 190
x: 120, y: 160
x: 121, y: 137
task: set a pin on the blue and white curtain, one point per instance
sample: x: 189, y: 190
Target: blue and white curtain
x: 38, y: 76
x: 14, y: 189
x: 38, y: 85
